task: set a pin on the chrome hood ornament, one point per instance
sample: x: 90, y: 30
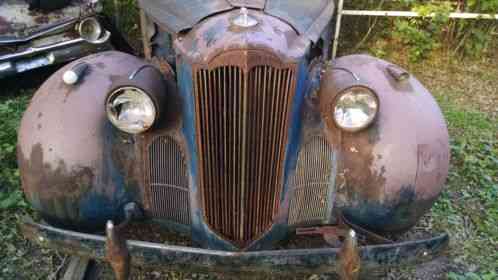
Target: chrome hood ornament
x: 244, y: 19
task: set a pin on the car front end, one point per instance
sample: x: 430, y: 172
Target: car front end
x: 237, y: 132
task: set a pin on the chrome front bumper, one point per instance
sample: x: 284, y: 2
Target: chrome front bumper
x: 35, y: 57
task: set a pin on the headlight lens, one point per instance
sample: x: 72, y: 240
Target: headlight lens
x: 131, y: 110
x: 356, y: 108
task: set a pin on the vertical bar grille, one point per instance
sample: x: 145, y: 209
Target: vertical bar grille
x: 312, y: 183
x: 242, y: 121
x: 168, y: 181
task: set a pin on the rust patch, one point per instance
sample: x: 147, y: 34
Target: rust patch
x: 42, y: 19
x: 356, y: 178
x: 123, y: 156
x: 164, y: 67
x: 116, y: 252
x: 217, y: 35
x: 46, y: 182
x: 55, y: 192
x: 5, y: 26
x: 358, y: 161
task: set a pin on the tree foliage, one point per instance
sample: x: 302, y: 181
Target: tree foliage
x: 434, y: 29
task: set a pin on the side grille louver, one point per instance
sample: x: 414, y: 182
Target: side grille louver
x: 242, y: 124
x: 168, y: 181
x: 312, y: 184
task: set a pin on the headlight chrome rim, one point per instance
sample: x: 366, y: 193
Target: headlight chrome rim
x: 115, y: 121
x: 95, y: 34
x: 371, y: 118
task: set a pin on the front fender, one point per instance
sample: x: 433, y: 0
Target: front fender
x: 392, y: 172
x: 76, y: 169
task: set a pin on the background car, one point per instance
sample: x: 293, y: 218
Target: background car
x: 38, y: 33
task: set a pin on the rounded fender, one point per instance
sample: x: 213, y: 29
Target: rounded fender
x: 76, y: 169
x: 392, y: 172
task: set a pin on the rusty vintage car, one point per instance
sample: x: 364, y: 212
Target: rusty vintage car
x: 37, y: 33
x: 238, y: 131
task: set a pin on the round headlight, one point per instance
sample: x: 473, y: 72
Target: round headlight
x: 131, y: 110
x: 90, y: 29
x: 356, y: 108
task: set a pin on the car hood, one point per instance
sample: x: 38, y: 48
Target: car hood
x: 17, y: 21
x: 308, y: 17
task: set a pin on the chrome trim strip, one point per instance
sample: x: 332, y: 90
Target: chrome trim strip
x: 35, y: 50
x: 38, y: 34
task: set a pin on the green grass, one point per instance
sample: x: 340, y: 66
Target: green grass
x: 11, y: 111
x: 18, y: 258
x: 468, y: 208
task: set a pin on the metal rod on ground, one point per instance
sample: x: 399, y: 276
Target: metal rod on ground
x: 337, y: 28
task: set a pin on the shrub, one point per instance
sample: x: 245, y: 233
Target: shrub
x: 434, y: 29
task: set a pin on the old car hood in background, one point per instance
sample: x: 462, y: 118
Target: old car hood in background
x: 308, y: 17
x: 19, y: 24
